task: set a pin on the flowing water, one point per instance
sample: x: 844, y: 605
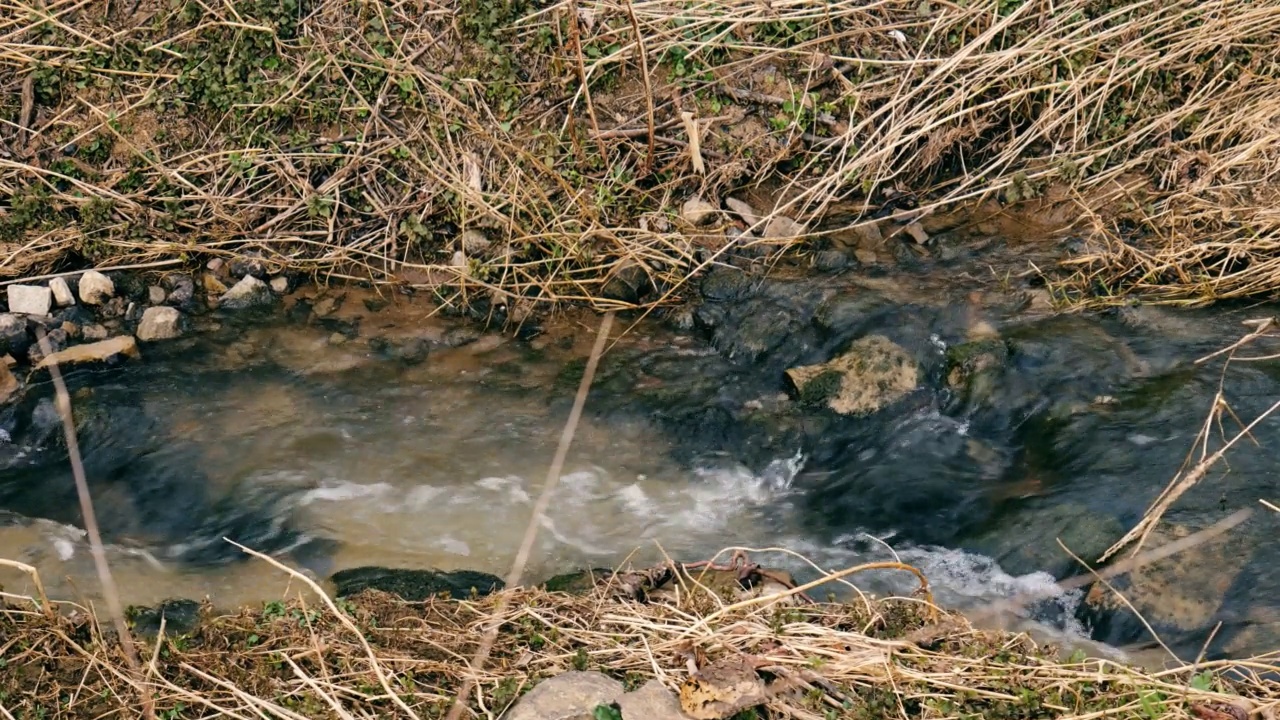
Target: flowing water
x: 303, y: 440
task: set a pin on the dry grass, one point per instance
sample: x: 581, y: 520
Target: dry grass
x: 868, y: 659
x: 360, y: 138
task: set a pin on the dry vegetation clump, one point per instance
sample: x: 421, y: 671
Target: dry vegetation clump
x: 527, y: 151
x: 868, y: 659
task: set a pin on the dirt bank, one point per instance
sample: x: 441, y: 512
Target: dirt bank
x: 317, y: 658
x: 548, y: 152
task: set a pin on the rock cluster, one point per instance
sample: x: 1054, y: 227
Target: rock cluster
x: 102, y: 317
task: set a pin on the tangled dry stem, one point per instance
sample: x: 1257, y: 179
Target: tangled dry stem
x: 360, y: 138
x: 374, y: 655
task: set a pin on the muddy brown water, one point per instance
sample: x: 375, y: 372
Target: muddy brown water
x: 435, y: 462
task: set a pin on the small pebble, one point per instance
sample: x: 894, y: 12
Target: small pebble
x: 156, y: 295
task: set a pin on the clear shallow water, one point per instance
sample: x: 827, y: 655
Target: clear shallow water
x: 437, y: 464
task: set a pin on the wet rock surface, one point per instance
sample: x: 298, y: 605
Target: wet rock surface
x: 416, y: 585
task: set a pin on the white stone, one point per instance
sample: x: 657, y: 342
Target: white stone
x: 96, y: 288
x: 62, y: 294
x: 160, y: 323
x: 156, y: 295
x: 30, y: 299
x: 280, y: 284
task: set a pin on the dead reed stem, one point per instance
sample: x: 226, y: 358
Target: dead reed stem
x: 109, y: 591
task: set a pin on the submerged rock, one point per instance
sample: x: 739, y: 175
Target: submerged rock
x: 871, y: 374
x: 975, y: 366
x: 148, y: 482
x: 415, y: 585
x: 56, y: 340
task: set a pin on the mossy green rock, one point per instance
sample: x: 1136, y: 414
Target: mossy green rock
x: 179, y: 617
x: 872, y: 373
x: 975, y: 365
x: 416, y: 585
x: 577, y: 582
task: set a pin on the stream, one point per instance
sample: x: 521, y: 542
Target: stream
x: 400, y: 437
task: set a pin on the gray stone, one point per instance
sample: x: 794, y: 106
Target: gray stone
x: 744, y: 210
x: 30, y: 299
x: 96, y: 288
x: 13, y: 334
x: 156, y: 295
x: 160, y: 323
x: 106, y: 351
x: 459, y: 259
x: 828, y: 260
x: 781, y: 227
x: 62, y: 294
x: 280, y: 285
x: 182, y: 289
x: 573, y: 695
x: 697, y: 211
x: 93, y: 332
x: 874, y: 372
x: 249, y: 292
